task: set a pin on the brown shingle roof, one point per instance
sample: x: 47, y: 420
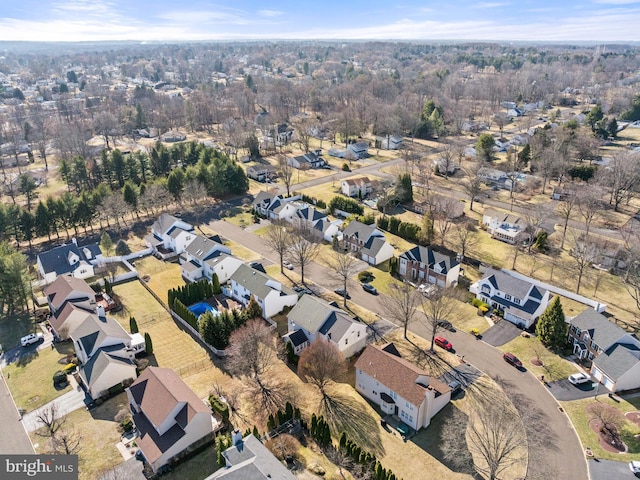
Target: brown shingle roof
x: 60, y: 289
x: 396, y: 373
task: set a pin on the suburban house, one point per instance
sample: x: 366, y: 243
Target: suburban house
x: 520, y: 301
x: 328, y: 229
x: 173, y: 136
x: 356, y: 187
x: 613, y: 352
x: 368, y: 241
x: 506, y: 227
x: 275, y: 207
x: 359, y: 149
x: 69, y: 259
x: 392, y: 142
x: 249, y: 459
x: 312, y: 317
x: 306, y: 161
x: 70, y: 317
x: 67, y: 289
x: 423, y: 264
x: 98, y: 331
x: 309, y: 218
x: 197, y: 255
x: 262, y: 172
x: 399, y: 387
x: 271, y: 295
x: 170, y: 418
x: 108, y: 367
x: 169, y: 235
x: 492, y: 176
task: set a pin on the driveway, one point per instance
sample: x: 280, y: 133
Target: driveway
x: 565, y: 391
x: 608, y: 470
x: 502, y: 332
x: 555, y: 450
x: 65, y: 403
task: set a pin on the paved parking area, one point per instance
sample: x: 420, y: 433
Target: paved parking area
x: 608, y: 470
x: 501, y: 333
x: 565, y: 391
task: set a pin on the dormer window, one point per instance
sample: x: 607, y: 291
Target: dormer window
x: 507, y: 296
x: 516, y: 301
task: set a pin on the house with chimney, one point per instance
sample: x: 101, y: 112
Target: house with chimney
x: 425, y: 265
x: 196, y: 262
x: 248, y: 459
x: 271, y: 295
x: 169, y: 236
x: 170, y: 419
x: 612, y: 353
x: 398, y: 387
x: 69, y: 259
x: 312, y: 317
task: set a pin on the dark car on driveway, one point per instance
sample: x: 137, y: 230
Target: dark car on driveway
x: 342, y: 292
x: 367, y: 287
x: 512, y: 359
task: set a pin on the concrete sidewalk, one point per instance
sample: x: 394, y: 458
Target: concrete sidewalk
x: 65, y: 404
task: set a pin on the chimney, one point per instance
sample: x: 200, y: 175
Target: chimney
x: 236, y: 437
x: 100, y: 311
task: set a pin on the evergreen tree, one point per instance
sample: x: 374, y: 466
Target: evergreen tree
x: 551, y: 328
x: 133, y: 325
x: 253, y: 309
x: 148, y: 346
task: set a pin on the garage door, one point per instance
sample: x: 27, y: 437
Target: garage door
x: 607, y: 382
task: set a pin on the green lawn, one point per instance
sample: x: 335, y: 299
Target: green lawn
x: 527, y: 349
x: 13, y: 328
x: 31, y: 379
x: 580, y: 419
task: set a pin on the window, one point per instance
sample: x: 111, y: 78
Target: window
x: 590, y: 355
x: 358, y: 334
x: 393, y: 394
x: 507, y: 297
x: 516, y: 301
x: 346, y: 341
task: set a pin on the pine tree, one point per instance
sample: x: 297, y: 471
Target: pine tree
x: 133, y: 325
x: 148, y: 346
x: 551, y: 328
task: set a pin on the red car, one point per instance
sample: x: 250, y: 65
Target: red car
x: 443, y: 343
x: 512, y: 359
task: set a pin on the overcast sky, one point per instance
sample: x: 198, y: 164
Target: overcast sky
x: 164, y: 20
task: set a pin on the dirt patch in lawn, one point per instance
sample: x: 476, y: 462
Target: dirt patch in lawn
x: 537, y: 362
x: 633, y: 417
x: 595, y: 425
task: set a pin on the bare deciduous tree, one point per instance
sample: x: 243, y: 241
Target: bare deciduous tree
x: 437, y: 308
x: 277, y: 238
x: 584, y: 253
x: 285, y: 170
x: 565, y: 210
x: 66, y: 442
x: 401, y: 304
x: 304, y: 249
x: 321, y: 364
x: 464, y: 237
x: 252, y: 353
x: 51, y: 420
x: 343, y: 267
x: 284, y: 447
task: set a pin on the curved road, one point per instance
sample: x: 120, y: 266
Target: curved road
x: 555, y: 450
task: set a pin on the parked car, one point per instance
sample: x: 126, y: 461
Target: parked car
x: 342, y: 292
x: 443, y: 343
x: 579, y: 378
x: 287, y: 265
x: 31, y: 338
x: 512, y: 359
x: 445, y: 324
x: 367, y: 287
x: 634, y: 466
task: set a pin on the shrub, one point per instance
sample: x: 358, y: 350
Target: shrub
x: 122, y: 248
x: 476, y: 302
x: 365, y: 276
x: 220, y: 407
x: 68, y: 368
x: 59, y: 377
x: 126, y: 425
x: 345, y: 167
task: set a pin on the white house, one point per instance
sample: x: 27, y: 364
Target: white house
x: 276, y: 207
x: 196, y: 256
x: 399, y: 387
x: 356, y: 187
x: 107, y: 368
x: 249, y: 459
x: 506, y: 227
x: 270, y: 294
x: 69, y: 259
x: 170, y: 418
x: 359, y: 149
x: 423, y: 264
x: 170, y: 235
x: 312, y: 317
x: 367, y: 241
x: 306, y: 161
x: 98, y: 331
x: 67, y: 289
x: 521, y: 301
x: 392, y: 142
x: 614, y: 353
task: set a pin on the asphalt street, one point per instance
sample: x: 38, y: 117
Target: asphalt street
x: 14, y: 438
x: 555, y: 450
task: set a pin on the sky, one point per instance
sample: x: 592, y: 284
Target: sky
x: 193, y: 20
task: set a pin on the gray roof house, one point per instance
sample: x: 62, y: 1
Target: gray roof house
x: 249, y: 459
x: 360, y: 149
x: 314, y: 317
x: 194, y: 260
x: 169, y: 235
x: 108, y: 367
x: 270, y: 294
x: 613, y: 352
x: 367, y: 241
x: 69, y: 259
x: 306, y: 161
x: 423, y: 264
x: 521, y: 301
